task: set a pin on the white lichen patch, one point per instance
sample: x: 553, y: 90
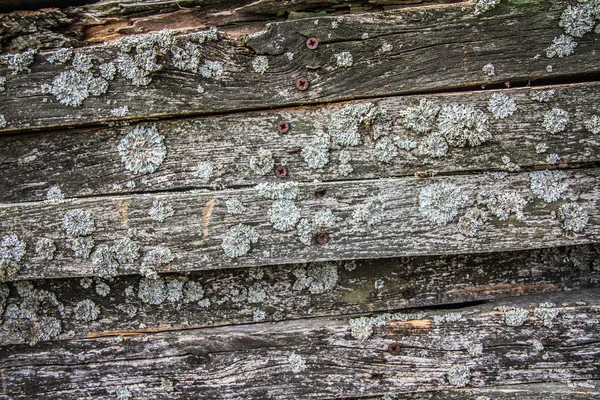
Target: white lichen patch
x: 372, y: 212
x: 125, y: 250
x: 73, y: 86
x: 60, y: 56
x: 546, y: 313
x: 556, y: 120
x: 159, y: 211
x: 192, y: 292
x: 104, y: 262
x: 541, y: 148
x: 345, y: 123
x: 237, y: 241
x: 54, y: 195
x: 386, y: 47
x: 439, y: 202
x: 12, y: 250
x: 509, y: 165
x: 284, y: 215
x: 262, y: 163
x: 19, y: 62
x: 516, y: 316
x: 119, y: 111
x: 307, y: 228
x: 593, y: 124
x: 386, y: 150
x: 501, y: 105
x: 79, y: 222
x: 142, y: 150
x: 155, y: 259
x: 235, y: 207
x: 489, y: 69
x: 475, y: 349
x: 503, y: 205
x: 459, y: 375
x: 318, y: 278
x: 211, y: 69
x: 260, y: 64
x: 186, y: 58
x: 316, y: 152
x: 256, y: 293
x: 204, y: 171
x: 422, y: 118
x: 574, y: 217
x: 45, y: 248
x: 548, y: 185
x: 463, y: 125
x: 123, y: 393
x: 277, y: 191
x: 543, y: 96
x: 297, y: 363
x: 152, y: 291
x: 578, y: 20
x: 2, y: 83
x: 82, y: 246
x: 102, y: 289
x: 361, y: 328
x: 433, y: 145
x: 471, y: 222
x: 344, y: 59
x: 553, y: 158
x: 258, y: 315
x: 137, y: 59
x: 562, y: 46
x: 86, y: 310
x: 345, y: 168
x: 108, y: 71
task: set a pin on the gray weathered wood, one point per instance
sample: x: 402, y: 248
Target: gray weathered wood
x: 510, y: 38
x: 252, y: 361
x: 194, y: 233
x: 405, y: 283
x: 88, y: 163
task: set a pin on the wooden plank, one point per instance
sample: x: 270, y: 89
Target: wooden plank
x: 236, y: 296
x: 371, y: 219
x: 88, y: 163
x: 557, y: 344
x: 419, y: 38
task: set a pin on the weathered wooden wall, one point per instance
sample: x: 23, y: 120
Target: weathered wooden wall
x: 179, y: 220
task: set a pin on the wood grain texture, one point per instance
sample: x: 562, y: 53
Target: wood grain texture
x: 252, y: 361
x: 87, y: 163
x: 195, y: 237
x: 405, y: 283
x: 510, y: 38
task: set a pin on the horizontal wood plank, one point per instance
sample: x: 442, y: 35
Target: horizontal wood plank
x: 319, y: 358
x: 369, y: 219
x: 236, y: 296
x: 419, y: 38
x: 87, y: 163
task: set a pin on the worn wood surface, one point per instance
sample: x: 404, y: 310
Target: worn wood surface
x: 252, y: 361
x: 195, y: 231
x: 87, y: 163
x: 419, y: 37
x: 358, y: 286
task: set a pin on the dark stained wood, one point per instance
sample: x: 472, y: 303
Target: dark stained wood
x: 420, y: 38
x: 86, y: 162
x: 194, y: 233
x: 406, y: 283
x: 252, y: 361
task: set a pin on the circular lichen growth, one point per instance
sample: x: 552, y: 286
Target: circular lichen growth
x: 86, y: 310
x: 284, y: 215
x: 236, y: 242
x: 440, y: 201
x: 79, y: 223
x: 152, y: 291
x: 142, y: 150
x: 459, y: 375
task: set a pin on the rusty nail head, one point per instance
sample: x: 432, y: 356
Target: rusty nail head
x: 320, y: 193
x: 281, y: 171
x: 394, y: 348
x: 408, y: 293
x: 283, y: 126
x: 312, y: 43
x: 302, y: 84
x: 322, y: 238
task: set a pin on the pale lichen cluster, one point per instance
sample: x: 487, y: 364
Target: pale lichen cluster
x: 142, y: 150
